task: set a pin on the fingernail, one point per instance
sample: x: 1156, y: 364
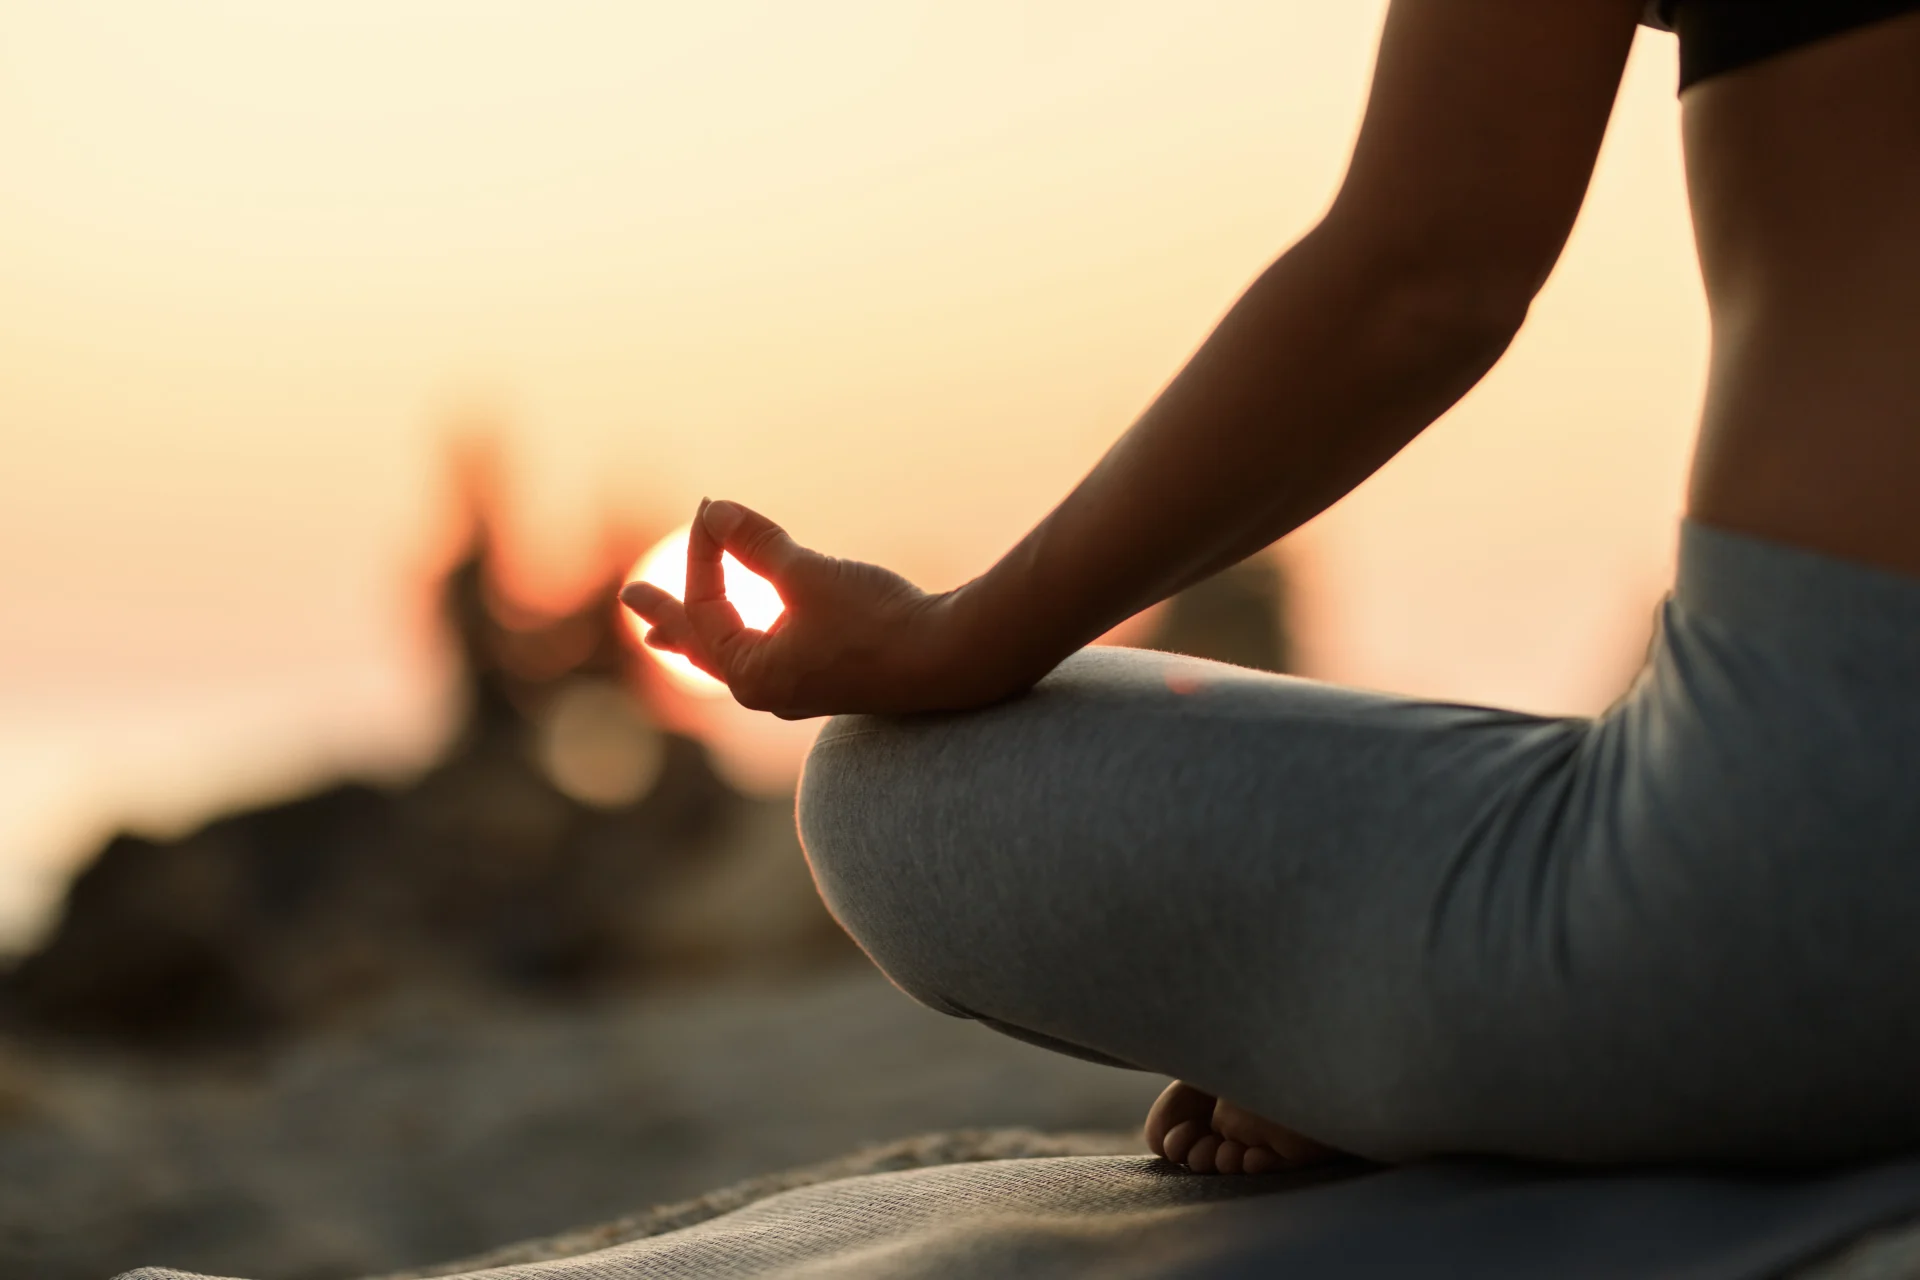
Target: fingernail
x: 632, y: 594
x: 722, y: 518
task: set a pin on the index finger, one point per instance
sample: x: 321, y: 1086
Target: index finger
x: 711, y: 614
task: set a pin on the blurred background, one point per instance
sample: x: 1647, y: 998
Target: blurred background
x: 366, y: 895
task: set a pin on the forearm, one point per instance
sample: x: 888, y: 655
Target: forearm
x: 1325, y: 368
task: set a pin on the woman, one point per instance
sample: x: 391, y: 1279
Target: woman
x: 1685, y: 930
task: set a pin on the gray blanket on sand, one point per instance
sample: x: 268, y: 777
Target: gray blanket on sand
x: 974, y: 1206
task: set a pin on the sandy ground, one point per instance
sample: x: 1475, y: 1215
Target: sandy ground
x: 432, y: 1132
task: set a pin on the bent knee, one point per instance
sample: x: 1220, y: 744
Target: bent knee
x: 844, y: 777
x: 857, y: 818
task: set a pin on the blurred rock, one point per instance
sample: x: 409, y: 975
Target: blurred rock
x: 565, y: 843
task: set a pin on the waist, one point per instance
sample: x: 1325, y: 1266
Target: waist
x: 1814, y: 603
x: 1812, y: 441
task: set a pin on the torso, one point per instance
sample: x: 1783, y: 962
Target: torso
x: 1804, y: 175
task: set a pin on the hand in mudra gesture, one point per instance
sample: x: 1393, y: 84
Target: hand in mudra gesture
x: 853, y: 636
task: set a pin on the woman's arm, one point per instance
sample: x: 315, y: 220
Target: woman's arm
x: 1472, y: 161
x: 1473, y: 158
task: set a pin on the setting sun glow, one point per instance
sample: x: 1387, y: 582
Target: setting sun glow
x: 665, y: 566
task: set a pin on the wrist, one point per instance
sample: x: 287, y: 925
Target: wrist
x: 990, y: 648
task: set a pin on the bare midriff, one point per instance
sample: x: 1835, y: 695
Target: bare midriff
x: 1804, y: 175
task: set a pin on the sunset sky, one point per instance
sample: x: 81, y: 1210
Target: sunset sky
x: 892, y: 271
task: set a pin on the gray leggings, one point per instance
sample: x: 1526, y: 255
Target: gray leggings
x: 1685, y: 930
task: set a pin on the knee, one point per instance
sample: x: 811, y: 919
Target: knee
x: 849, y: 786
x: 842, y: 778
x: 873, y: 852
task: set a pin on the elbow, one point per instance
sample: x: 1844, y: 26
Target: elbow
x: 1458, y: 322
x: 1433, y: 302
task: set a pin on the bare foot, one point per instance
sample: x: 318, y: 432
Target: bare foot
x: 1211, y: 1135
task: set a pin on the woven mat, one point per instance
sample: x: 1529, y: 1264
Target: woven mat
x: 969, y: 1206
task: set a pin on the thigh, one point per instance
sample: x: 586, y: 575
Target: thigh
x: 1196, y: 869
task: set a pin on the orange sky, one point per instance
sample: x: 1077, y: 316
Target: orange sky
x: 893, y: 271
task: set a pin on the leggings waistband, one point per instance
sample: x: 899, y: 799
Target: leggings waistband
x: 1759, y: 586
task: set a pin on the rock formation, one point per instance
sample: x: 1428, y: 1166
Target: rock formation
x: 539, y: 854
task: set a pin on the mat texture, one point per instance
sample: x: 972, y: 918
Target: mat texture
x: 904, y: 1211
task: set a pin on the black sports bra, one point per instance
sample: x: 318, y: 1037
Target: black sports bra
x: 1719, y: 35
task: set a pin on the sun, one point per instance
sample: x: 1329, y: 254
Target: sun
x: 665, y: 566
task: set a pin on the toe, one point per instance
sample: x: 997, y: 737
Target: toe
x: 1259, y: 1160
x: 1179, y: 1142
x: 1256, y: 1130
x: 1200, y: 1159
x: 1177, y: 1104
x: 1227, y: 1158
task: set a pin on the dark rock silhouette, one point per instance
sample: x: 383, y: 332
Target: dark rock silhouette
x: 537, y: 855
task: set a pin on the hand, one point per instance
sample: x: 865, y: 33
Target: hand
x: 853, y: 637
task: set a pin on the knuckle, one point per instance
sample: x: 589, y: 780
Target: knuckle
x: 763, y: 540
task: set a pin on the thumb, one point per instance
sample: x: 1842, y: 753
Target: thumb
x: 755, y: 541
